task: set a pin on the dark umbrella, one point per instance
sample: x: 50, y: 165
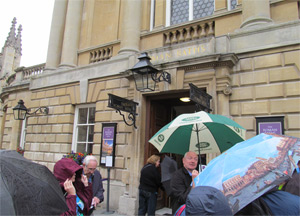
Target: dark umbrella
x: 168, y: 167
x: 28, y: 188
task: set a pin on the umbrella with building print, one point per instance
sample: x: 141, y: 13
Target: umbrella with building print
x: 251, y: 168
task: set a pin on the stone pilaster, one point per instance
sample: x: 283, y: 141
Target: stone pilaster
x: 255, y: 12
x: 15, y: 134
x: 131, y: 26
x: 71, y: 34
x: 223, y: 90
x: 56, y: 34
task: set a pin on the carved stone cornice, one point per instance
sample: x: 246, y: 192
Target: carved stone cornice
x: 221, y: 60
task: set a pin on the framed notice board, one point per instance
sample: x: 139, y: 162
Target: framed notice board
x: 108, y: 144
x: 272, y: 124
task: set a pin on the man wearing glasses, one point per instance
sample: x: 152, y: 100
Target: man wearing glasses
x: 90, y: 164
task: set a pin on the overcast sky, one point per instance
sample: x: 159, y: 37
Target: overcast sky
x: 35, y: 17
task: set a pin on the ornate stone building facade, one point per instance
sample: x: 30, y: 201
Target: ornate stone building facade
x: 245, y: 54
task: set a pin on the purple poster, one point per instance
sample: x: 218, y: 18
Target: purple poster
x: 270, y: 127
x: 108, y: 134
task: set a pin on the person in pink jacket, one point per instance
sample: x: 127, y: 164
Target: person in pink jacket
x: 76, y: 188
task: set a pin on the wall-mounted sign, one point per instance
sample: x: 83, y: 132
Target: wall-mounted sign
x: 201, y: 98
x: 108, y: 141
x: 123, y: 104
x: 270, y: 125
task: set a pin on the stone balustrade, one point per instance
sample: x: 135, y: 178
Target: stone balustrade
x: 190, y: 32
x: 101, y: 54
x: 32, y: 71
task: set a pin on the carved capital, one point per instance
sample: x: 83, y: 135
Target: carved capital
x: 227, y: 90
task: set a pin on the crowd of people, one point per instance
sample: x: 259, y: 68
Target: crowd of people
x: 186, y: 199
x: 82, y: 185
x: 83, y: 190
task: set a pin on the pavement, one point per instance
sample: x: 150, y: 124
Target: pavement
x: 103, y: 211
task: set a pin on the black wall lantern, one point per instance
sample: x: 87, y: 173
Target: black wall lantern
x: 146, y: 75
x: 20, y: 111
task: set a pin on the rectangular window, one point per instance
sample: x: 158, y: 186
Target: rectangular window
x: 180, y: 11
x: 23, y: 133
x: 203, y: 8
x: 83, y: 132
x: 232, y: 4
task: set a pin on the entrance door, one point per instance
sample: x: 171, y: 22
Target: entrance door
x: 160, y: 111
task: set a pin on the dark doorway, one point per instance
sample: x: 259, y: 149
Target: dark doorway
x: 161, y: 109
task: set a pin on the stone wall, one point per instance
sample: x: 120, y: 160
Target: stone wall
x: 267, y: 84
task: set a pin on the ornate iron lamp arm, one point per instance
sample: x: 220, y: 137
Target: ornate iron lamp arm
x: 42, y: 109
x: 164, y: 76
x: 131, y: 117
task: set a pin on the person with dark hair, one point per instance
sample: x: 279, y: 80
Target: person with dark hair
x: 182, y: 180
x: 150, y: 182
x: 75, y: 186
x: 205, y: 200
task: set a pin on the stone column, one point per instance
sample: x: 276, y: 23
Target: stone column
x: 131, y: 26
x: 56, y: 34
x: 71, y: 34
x: 255, y: 12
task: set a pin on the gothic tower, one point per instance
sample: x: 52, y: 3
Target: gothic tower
x: 10, y: 56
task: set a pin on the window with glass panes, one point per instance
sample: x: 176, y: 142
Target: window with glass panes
x: 187, y: 10
x: 83, y: 133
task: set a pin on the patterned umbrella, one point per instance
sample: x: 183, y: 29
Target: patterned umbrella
x: 251, y: 168
x: 200, y: 132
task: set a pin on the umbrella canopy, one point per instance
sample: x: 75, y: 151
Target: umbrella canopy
x: 168, y: 167
x: 199, y: 132
x: 252, y: 167
x: 28, y: 188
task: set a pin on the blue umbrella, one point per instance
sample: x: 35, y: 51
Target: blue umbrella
x: 252, y: 167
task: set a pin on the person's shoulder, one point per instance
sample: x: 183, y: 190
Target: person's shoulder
x: 97, y: 173
x: 149, y: 166
x: 180, y: 171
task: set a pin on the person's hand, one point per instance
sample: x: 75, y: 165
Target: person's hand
x: 194, y: 174
x: 95, y: 201
x: 69, y: 187
x: 84, y: 180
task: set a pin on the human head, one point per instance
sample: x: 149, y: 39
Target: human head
x: 190, y: 160
x: 206, y: 200
x: 65, y: 168
x: 154, y: 159
x: 89, y: 164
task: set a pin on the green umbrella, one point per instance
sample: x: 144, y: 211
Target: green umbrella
x: 200, y: 132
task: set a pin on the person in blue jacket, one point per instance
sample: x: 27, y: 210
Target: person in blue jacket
x: 274, y: 202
